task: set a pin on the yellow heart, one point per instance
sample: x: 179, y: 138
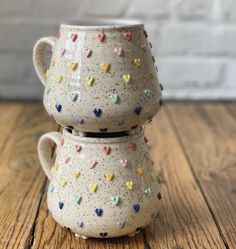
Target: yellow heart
x: 140, y: 170
x: 63, y: 182
x: 129, y: 184
x: 93, y: 187
x: 109, y: 176
x: 53, y: 62
x: 60, y: 78
x: 126, y: 78
x: 76, y: 173
x: 90, y: 80
x: 105, y: 67
x: 47, y: 73
x: 55, y: 167
x: 137, y: 62
x: 74, y: 65
x: 152, y: 73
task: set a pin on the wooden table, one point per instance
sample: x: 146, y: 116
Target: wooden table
x: 194, y: 150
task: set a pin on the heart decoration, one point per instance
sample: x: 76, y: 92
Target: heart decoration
x: 60, y: 78
x: 58, y: 106
x: 161, y: 87
x: 159, y: 196
x: 145, y: 33
x: 128, y: 36
x: 67, y: 160
x: 143, y: 47
x: 106, y: 150
x: 80, y: 223
x: 105, y: 67
x: 63, y: 51
x: 126, y: 78
x: 62, y: 141
x: 61, y: 204
x: 133, y: 146
x: 50, y: 188
x: 87, y: 51
x: 78, y: 147
x: 115, y: 200
x: 73, y: 96
x: 78, y: 199
x: 140, y: 170
x: 73, y: 37
x: 109, y: 176
x: 58, y: 35
x: 114, y: 98
x: 74, y: 65
x: 129, y: 185
x: 97, y: 112
x: 93, y: 163
x: 147, y: 92
x: 119, y: 122
x: 147, y: 192
x: 124, y: 162
x: 136, y: 208
x: 121, y: 224
x: 79, y: 120
x: 103, y: 235
x: 90, y: 80
x: 118, y: 51
x: 153, y: 59
x: 93, y: 187
x: 76, y: 173
x: 137, y: 110
x: 98, y: 211
x: 137, y: 62
x: 63, y: 182
x: 100, y: 37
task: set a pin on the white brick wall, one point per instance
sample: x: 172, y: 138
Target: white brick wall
x: 194, y: 41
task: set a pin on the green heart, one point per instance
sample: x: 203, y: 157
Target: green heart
x: 78, y: 199
x: 115, y: 200
x: 147, y: 92
x: 147, y: 192
x: 73, y: 96
x: 114, y: 98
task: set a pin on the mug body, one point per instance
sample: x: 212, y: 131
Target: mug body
x: 102, y: 78
x: 103, y: 187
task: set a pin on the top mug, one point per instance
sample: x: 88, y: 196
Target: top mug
x: 102, y: 77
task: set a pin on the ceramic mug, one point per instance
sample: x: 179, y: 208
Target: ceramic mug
x: 100, y: 187
x: 102, y: 77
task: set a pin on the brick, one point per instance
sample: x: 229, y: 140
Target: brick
x: 182, y: 73
x: 197, y: 39
x: 228, y: 8
x: 190, y: 9
x: 154, y: 8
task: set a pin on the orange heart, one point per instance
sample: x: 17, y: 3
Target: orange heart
x: 133, y: 146
x: 109, y: 176
x: 105, y: 67
x: 74, y: 65
x: 140, y: 170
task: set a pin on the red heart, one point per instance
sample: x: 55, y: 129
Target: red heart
x: 62, y: 141
x: 106, y: 150
x: 78, y: 147
x: 133, y: 146
x: 100, y: 37
x: 128, y: 36
x: 73, y: 36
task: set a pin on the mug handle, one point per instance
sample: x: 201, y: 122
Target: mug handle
x: 45, y: 150
x: 38, y: 54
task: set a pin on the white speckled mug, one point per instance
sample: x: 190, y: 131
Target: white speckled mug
x: 102, y: 77
x: 100, y: 187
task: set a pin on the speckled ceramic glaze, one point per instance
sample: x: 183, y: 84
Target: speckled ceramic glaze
x: 101, y: 78
x: 100, y: 187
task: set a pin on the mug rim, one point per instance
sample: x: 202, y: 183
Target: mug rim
x: 101, y: 140
x: 104, y: 24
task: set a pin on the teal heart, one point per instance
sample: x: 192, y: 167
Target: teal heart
x: 147, y: 92
x: 73, y: 96
x: 115, y: 200
x: 147, y: 192
x: 114, y: 98
x: 78, y: 199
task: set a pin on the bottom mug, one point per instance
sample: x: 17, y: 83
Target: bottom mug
x: 100, y: 187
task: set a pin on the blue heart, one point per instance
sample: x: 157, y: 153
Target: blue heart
x: 58, y: 107
x: 61, y: 204
x: 97, y: 112
x: 137, y: 110
x: 98, y: 211
x: 136, y: 208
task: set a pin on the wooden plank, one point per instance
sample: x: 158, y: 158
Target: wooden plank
x: 10, y: 114
x: 21, y: 178
x: 185, y: 220
x: 208, y: 136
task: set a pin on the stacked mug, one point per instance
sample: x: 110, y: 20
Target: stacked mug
x: 101, y: 86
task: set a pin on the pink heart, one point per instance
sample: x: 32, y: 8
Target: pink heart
x: 63, y: 51
x: 128, y: 36
x: 100, y: 37
x: 118, y: 51
x: 78, y: 147
x: 67, y: 160
x: 124, y: 162
x: 73, y: 37
x: 143, y: 46
x: 87, y: 51
x: 93, y: 163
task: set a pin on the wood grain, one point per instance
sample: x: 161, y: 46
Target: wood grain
x: 184, y: 221
x: 207, y: 133
x: 21, y: 178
